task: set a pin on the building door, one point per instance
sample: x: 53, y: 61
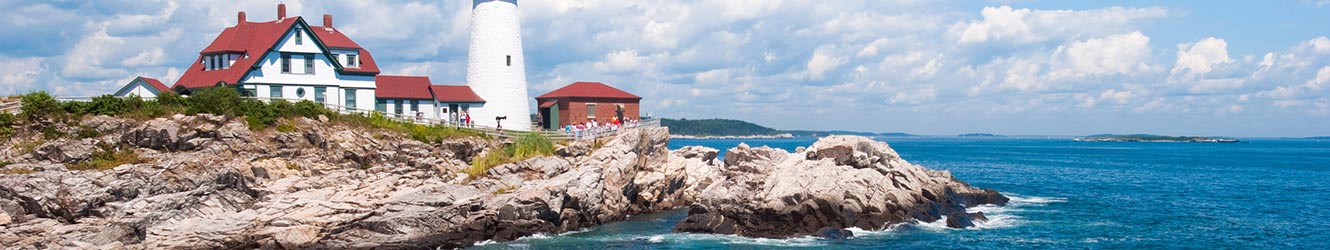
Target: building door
x: 545, y: 119
x: 453, y: 114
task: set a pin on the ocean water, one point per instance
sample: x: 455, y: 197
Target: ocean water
x: 1259, y: 194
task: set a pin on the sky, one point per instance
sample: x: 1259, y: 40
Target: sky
x: 1227, y: 68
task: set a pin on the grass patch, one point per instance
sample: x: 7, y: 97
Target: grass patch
x: 504, y: 190
x: 526, y: 147
x: 419, y: 132
x: 107, y: 157
x: 18, y: 171
x: 26, y: 147
x: 286, y: 127
x: 87, y: 132
x: 292, y: 166
x: 596, y: 144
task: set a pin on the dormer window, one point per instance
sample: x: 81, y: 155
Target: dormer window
x: 300, y: 38
x: 351, y: 61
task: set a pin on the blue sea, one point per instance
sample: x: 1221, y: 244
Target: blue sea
x: 1257, y: 194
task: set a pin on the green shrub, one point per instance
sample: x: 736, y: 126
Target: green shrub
x: 39, y: 105
x: 309, y: 109
x: 214, y: 100
x: 6, y: 125
x: 132, y: 102
x: 147, y: 109
x: 171, y: 99
x: 75, y: 107
x: 104, y: 105
x: 50, y: 133
x: 280, y: 108
x: 6, y: 119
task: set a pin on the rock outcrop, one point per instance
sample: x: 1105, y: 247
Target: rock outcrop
x: 839, y: 182
x: 206, y: 181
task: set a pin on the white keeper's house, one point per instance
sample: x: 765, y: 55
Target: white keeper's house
x: 288, y: 58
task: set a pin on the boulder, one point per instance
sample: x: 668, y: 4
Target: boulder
x: 839, y: 182
x: 65, y: 151
x: 574, y: 149
x: 105, y: 124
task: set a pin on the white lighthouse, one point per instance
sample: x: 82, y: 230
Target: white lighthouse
x: 495, y: 68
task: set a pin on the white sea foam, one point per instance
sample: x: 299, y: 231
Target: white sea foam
x: 998, y: 221
x: 485, y: 242
x: 938, y: 225
x: 1019, y: 200
x: 740, y: 240
x: 537, y: 236
x: 860, y: 232
x: 583, y: 230
x: 657, y: 239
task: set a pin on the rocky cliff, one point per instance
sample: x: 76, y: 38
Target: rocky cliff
x: 209, y: 182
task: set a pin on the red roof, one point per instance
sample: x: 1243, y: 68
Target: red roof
x: 338, y: 40
x: 254, y: 39
x: 455, y: 93
x: 402, y: 87
x: 156, y: 84
x: 547, y: 103
x: 589, y: 89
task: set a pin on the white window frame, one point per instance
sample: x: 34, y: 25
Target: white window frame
x: 591, y: 110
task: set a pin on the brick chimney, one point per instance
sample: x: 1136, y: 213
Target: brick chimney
x: 240, y: 18
x: 327, y: 21
x: 281, y: 11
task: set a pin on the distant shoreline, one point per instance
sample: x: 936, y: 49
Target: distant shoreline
x: 709, y: 137
x: 1154, y: 138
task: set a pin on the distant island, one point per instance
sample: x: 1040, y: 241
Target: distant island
x: 1152, y: 138
x: 1318, y: 138
x: 719, y: 128
x: 728, y: 128
x: 810, y: 133
x: 980, y: 135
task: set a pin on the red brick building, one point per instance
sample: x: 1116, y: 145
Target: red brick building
x: 585, y: 101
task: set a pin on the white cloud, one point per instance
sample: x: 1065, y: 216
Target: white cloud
x: 1200, y: 57
x: 18, y: 74
x: 1117, y: 54
x: 150, y: 57
x: 821, y: 62
x: 914, y: 97
x: 1025, y: 25
x: 1322, y: 77
x: 622, y: 61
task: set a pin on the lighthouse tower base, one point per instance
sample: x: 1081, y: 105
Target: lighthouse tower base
x: 495, y: 66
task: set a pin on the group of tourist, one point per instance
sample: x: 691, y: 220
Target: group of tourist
x: 594, y: 128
